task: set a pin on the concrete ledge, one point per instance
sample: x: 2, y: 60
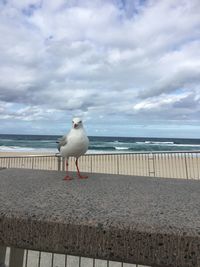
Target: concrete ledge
x: 142, y: 220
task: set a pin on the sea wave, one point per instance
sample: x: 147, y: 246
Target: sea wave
x: 101, y: 147
x: 29, y: 143
x: 25, y: 149
x: 121, y: 148
x: 155, y: 143
x: 186, y: 145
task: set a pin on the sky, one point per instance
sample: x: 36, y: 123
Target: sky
x: 126, y: 67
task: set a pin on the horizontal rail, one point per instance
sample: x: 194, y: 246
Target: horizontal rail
x: 145, y: 152
x: 97, y: 154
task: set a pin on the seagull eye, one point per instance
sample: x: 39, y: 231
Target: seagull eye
x: 80, y: 121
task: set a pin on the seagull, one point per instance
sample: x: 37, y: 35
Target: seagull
x: 74, y: 144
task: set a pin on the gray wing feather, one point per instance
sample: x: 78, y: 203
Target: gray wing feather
x: 61, y: 142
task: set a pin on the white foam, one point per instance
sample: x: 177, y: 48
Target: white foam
x: 158, y: 143
x: 25, y: 149
x: 185, y: 145
x: 121, y: 148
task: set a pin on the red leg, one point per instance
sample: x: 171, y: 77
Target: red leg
x: 79, y: 175
x: 67, y: 177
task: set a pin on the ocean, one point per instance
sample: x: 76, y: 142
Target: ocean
x: 98, y: 144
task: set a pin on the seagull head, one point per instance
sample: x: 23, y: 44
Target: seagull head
x: 77, y: 123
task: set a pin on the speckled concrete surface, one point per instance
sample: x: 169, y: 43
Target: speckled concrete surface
x: 150, y: 221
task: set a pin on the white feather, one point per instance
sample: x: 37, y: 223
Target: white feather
x: 76, y: 141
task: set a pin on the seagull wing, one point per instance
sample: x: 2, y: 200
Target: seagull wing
x: 61, y: 142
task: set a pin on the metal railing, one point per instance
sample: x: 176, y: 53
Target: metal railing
x: 41, y: 162
x: 46, y: 259
x: 181, y: 164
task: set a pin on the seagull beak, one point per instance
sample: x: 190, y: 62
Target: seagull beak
x: 75, y: 125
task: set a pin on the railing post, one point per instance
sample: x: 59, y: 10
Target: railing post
x: 59, y: 163
x: 151, y: 165
x: 9, y: 163
x: 63, y: 163
x: 2, y: 255
x: 32, y: 163
x: 117, y: 164
x: 186, y: 167
x: 16, y: 257
x: 91, y: 163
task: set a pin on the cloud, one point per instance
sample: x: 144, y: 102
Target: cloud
x: 179, y: 107
x: 116, y: 59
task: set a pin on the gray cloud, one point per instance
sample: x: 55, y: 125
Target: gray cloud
x: 116, y: 59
